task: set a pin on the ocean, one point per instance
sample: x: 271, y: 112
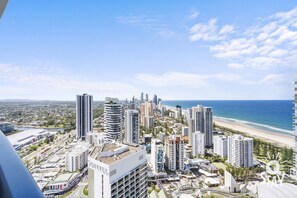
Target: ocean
x: 271, y: 115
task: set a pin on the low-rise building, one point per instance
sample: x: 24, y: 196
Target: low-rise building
x: 77, y: 159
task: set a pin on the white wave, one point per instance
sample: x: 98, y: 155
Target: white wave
x: 256, y: 125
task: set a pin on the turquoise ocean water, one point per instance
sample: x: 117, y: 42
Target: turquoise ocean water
x: 272, y: 115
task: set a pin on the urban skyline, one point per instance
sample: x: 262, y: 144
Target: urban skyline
x: 159, y: 50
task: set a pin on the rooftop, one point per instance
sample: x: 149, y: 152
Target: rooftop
x: 64, y: 178
x: 110, y: 153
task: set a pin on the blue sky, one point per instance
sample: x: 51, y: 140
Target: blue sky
x: 194, y: 49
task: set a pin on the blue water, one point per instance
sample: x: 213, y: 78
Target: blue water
x: 273, y: 115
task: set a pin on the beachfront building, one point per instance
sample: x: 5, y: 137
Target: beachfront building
x: 208, y: 125
x: 157, y: 156
x: 198, y: 147
x: 147, y: 115
x: 174, y: 153
x: 132, y: 126
x: 112, y: 119
x: 178, y: 112
x: 220, y: 143
x: 201, y: 119
x: 84, y: 116
x: 77, y: 158
x: 240, y: 151
x: 117, y: 170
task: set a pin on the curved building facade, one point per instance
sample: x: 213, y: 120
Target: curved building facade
x: 112, y: 119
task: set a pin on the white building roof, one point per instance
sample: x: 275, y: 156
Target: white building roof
x: 27, y: 135
x: 277, y: 190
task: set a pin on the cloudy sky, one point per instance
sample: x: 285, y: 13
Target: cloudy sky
x: 194, y: 49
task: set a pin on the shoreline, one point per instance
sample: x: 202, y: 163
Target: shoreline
x: 269, y: 136
x: 281, y: 139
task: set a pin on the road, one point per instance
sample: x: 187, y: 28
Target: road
x: 78, y: 192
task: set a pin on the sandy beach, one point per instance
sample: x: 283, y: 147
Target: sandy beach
x: 276, y: 138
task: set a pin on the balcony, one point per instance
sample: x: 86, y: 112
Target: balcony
x: 15, y: 179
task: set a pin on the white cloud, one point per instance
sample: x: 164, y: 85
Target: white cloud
x: 151, y: 24
x: 184, y: 79
x: 272, y: 79
x: 194, y: 14
x: 209, y: 31
x: 33, y: 78
x: 270, y: 43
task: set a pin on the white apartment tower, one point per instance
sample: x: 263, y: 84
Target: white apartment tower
x: 240, y: 151
x: 198, y: 147
x: 77, y: 159
x: 174, y: 153
x: 118, y: 170
x: 132, y: 126
x: 178, y: 112
x: 112, y: 119
x: 84, y: 115
x: 220, y: 143
x: 157, y: 156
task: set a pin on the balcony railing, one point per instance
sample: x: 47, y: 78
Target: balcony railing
x: 15, y: 179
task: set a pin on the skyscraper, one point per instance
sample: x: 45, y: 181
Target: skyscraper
x: 240, y: 151
x: 155, y: 100
x: 157, y: 156
x: 178, y: 112
x: 146, y: 98
x: 147, y: 115
x: 208, y: 125
x: 112, y: 119
x: 174, y: 153
x: 201, y: 119
x: 198, y: 147
x: 84, y: 115
x: 117, y: 170
x: 132, y: 126
x: 141, y: 98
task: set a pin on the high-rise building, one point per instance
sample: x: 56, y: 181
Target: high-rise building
x: 208, y: 125
x: 147, y: 115
x: 174, y: 153
x: 146, y: 97
x: 201, y: 119
x: 132, y: 126
x: 84, y: 115
x: 112, y: 119
x: 157, y: 156
x: 240, y: 151
x: 155, y: 100
x: 141, y: 97
x: 220, y: 143
x: 178, y: 112
x: 198, y: 147
x: 77, y: 158
x: 191, y: 130
x: 118, y: 170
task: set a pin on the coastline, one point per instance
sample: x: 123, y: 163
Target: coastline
x: 281, y: 139
x: 272, y: 137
